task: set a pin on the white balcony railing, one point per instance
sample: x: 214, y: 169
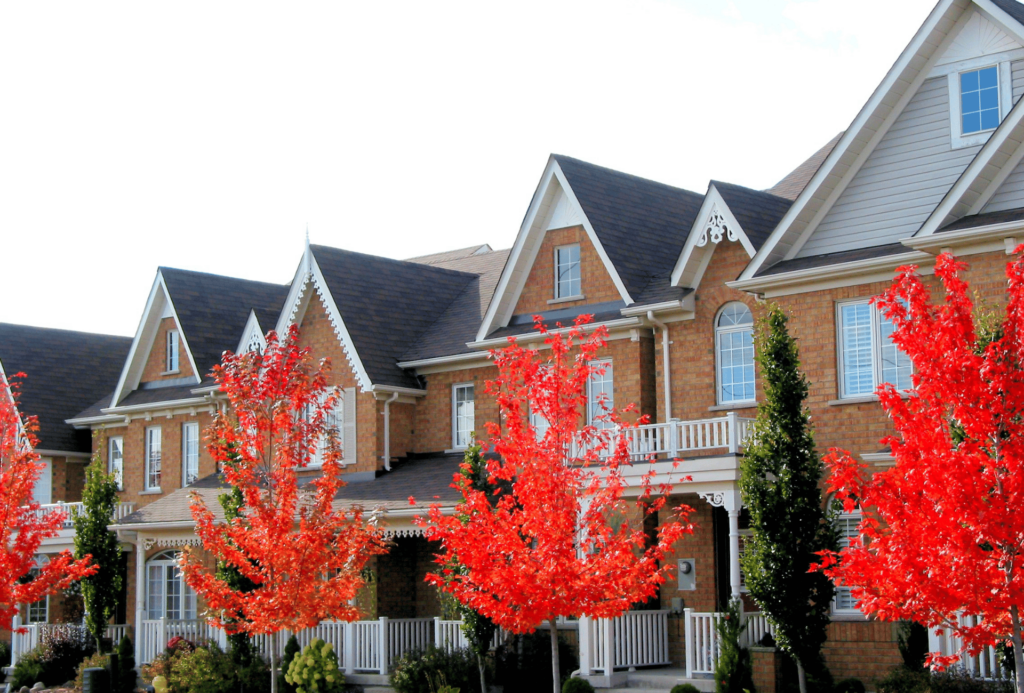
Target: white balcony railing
x: 72, y: 510
x: 701, y: 632
x: 634, y: 639
x: 677, y: 438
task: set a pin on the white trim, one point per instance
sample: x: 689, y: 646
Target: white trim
x: 609, y: 404
x: 252, y: 330
x: 527, y: 245
x: 903, y: 79
x: 145, y: 339
x: 186, y: 425
x: 934, y: 243
x: 110, y: 460
x: 444, y: 360
x: 498, y: 342
x: 579, y: 268
x: 719, y: 331
x: 455, y: 415
x: 697, y: 251
x: 877, y: 376
x: 1004, y: 83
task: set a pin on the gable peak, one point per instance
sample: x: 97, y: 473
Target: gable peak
x: 978, y: 36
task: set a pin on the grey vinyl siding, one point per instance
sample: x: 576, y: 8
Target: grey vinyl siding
x: 1011, y: 193
x: 902, y: 181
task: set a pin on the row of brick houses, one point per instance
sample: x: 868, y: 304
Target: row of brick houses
x: 931, y: 162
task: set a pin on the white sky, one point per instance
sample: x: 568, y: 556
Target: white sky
x: 207, y: 135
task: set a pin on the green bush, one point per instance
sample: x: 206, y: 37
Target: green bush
x: 684, y: 688
x: 291, y: 649
x: 850, y: 685
x: 55, y: 661
x: 203, y: 670
x: 126, y: 677
x: 734, y: 672
x: 416, y: 671
x: 577, y: 686
x: 903, y: 680
x: 524, y: 664
x: 28, y: 670
x: 315, y: 669
x: 956, y: 680
x: 96, y: 660
x: 5, y: 654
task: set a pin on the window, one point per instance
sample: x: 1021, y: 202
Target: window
x: 979, y: 100
x: 734, y: 352
x: 189, y: 453
x: 172, y: 351
x: 867, y: 356
x: 463, y: 421
x: 167, y: 594
x: 38, y: 612
x: 42, y: 490
x: 846, y: 529
x: 567, y: 271
x: 333, y: 421
x: 153, y: 458
x: 600, y: 393
x: 115, y: 460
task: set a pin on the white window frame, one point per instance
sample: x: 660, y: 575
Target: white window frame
x: 172, y: 360
x: 335, y: 419
x: 115, y: 459
x: 466, y: 439
x: 154, y: 450
x: 32, y: 609
x: 844, y: 541
x: 953, y: 71
x: 594, y: 408
x: 579, y: 269
x: 163, y: 570
x: 187, y: 457
x: 876, y: 349
x: 731, y: 329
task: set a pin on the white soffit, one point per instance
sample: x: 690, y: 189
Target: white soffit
x: 554, y: 206
x: 714, y: 223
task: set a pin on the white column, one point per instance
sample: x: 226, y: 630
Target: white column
x: 349, y: 648
x: 734, y: 552
x: 15, y: 638
x: 585, y: 645
x: 609, y: 646
x: 688, y: 635
x: 140, y: 598
x: 385, y: 656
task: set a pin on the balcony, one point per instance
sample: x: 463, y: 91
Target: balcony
x: 724, y: 434
x: 72, y: 510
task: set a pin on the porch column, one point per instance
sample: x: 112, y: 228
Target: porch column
x: 734, y: 551
x: 140, y: 599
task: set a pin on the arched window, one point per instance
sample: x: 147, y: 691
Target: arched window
x: 734, y: 353
x: 167, y: 595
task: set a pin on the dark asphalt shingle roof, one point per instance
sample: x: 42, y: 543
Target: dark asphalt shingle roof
x: 976, y: 220
x: 802, y: 263
x: 65, y: 372
x: 459, y: 323
x: 428, y: 480
x: 757, y: 212
x: 641, y: 224
x: 796, y: 180
x: 1012, y: 8
x: 387, y: 305
x: 213, y: 310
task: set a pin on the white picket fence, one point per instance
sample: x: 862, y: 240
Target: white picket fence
x: 984, y: 665
x: 634, y: 639
x: 701, y: 634
x: 34, y: 633
x: 676, y: 438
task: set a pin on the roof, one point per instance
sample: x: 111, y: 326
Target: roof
x: 387, y: 305
x: 449, y: 255
x: 641, y: 224
x: 458, y: 324
x: 796, y: 180
x: 428, y: 480
x: 213, y: 310
x: 975, y: 220
x: 65, y: 372
x: 1012, y: 8
x: 837, y: 258
x: 758, y: 212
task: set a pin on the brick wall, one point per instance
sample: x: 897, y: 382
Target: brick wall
x: 67, y: 479
x: 433, y: 429
x: 156, y: 362
x: 595, y: 282
x: 865, y: 650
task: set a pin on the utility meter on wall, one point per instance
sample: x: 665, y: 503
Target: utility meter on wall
x: 687, y: 574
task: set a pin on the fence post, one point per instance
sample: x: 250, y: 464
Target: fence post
x: 349, y: 647
x: 585, y: 645
x: 384, y: 654
x: 438, y: 636
x: 734, y: 432
x: 162, y: 634
x: 688, y: 641
x: 15, y: 638
x: 609, y: 646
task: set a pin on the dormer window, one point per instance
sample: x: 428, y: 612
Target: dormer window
x: 979, y: 100
x: 567, y: 271
x: 172, y: 351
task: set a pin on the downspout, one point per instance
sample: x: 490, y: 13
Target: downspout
x: 387, y: 430
x: 665, y: 363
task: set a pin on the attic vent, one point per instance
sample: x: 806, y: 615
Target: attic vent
x: 716, y: 228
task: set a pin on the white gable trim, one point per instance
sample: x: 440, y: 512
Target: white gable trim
x: 528, y: 242
x: 298, y: 300
x: 157, y: 306
x: 983, y: 176
x: 974, y: 37
x: 252, y: 330
x: 714, y: 222
x: 860, y: 139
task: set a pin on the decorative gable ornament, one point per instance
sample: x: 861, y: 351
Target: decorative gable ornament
x: 978, y: 37
x: 716, y: 229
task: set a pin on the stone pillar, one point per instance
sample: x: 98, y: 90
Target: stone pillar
x: 767, y: 669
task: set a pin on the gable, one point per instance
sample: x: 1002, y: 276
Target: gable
x: 978, y: 36
x: 155, y: 369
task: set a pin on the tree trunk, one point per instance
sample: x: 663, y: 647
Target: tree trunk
x: 802, y: 678
x: 480, y: 666
x: 273, y: 662
x: 554, y: 657
x: 1018, y: 656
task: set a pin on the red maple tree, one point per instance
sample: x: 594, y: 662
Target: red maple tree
x: 942, y: 532
x: 22, y: 526
x: 560, y: 538
x: 302, y: 556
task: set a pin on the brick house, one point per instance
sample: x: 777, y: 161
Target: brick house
x: 931, y: 162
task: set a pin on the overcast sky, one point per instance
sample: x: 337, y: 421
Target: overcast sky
x: 208, y: 135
